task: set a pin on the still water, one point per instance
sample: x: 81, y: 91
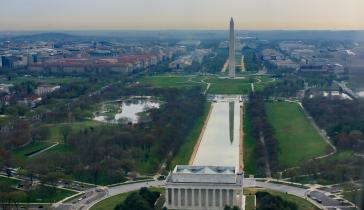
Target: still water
x: 127, y: 111
x: 216, y: 148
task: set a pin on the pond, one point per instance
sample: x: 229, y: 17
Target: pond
x: 125, y: 111
x: 361, y: 93
x: 220, y: 141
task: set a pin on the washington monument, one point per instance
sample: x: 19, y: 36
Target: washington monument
x: 232, y: 50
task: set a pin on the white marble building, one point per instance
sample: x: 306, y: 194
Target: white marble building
x: 204, y: 188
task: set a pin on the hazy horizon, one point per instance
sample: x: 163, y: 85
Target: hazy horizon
x: 45, y: 15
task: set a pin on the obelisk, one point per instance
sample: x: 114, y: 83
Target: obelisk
x: 232, y: 50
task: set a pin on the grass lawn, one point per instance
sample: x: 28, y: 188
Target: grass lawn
x: 298, y: 140
x: 8, y: 181
x: 172, y: 81
x: 54, y: 137
x: 301, y: 203
x: 41, y: 194
x: 354, y: 196
x: 112, y: 202
x: 55, y: 129
x: 229, y: 86
x: 249, y: 145
x: 249, y: 202
x: 23, y: 152
x: 185, y: 151
x: 218, y: 85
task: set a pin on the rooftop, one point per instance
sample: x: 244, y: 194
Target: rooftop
x: 182, y: 169
x: 205, y: 175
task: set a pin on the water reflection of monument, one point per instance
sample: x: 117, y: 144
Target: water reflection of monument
x: 231, y: 120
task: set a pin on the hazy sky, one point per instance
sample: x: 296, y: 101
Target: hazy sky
x: 180, y: 14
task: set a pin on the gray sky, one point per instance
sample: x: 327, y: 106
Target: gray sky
x: 180, y: 14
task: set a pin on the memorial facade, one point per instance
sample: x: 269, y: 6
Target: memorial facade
x: 204, y: 187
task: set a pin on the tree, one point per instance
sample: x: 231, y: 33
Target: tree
x: 134, y: 201
x: 65, y: 131
x: 127, y: 166
x: 39, y: 133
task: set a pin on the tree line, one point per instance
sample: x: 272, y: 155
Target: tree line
x: 261, y: 129
x: 342, y: 119
x: 107, y: 154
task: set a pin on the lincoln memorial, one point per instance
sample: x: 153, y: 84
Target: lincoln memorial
x: 204, y: 187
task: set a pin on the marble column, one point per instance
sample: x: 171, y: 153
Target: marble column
x: 186, y: 202
x: 167, y: 200
x: 179, y: 197
x: 199, y: 197
x: 193, y: 198
x: 172, y: 197
x: 221, y: 204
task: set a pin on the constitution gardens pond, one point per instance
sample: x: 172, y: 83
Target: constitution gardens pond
x: 129, y: 110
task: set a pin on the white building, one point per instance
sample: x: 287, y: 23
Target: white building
x: 204, y: 188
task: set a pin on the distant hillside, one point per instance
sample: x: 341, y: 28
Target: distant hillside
x: 45, y: 37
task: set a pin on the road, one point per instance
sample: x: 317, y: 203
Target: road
x: 95, y: 195
x: 347, y: 90
x: 90, y: 197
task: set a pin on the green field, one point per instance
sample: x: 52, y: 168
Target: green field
x: 218, y: 85
x: 185, y: 151
x: 54, y: 137
x: 55, y: 129
x: 249, y: 145
x: 172, y: 81
x: 354, y: 196
x: 23, y: 152
x: 40, y: 194
x: 298, y: 140
x: 249, y: 202
x: 229, y: 86
x: 111, y: 202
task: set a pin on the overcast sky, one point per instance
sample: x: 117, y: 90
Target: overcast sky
x: 180, y: 14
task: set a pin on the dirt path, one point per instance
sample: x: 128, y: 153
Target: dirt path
x: 197, y: 145
x: 226, y: 64
x: 266, y: 159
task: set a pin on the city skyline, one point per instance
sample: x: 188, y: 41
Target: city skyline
x: 188, y: 14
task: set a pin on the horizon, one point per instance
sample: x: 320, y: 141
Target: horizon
x: 182, y: 15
